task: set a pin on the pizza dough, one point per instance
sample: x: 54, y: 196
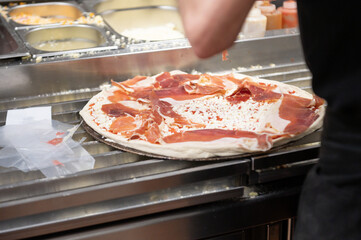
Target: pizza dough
x: 180, y: 115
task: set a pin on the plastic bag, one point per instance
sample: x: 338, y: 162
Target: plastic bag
x: 40, y: 146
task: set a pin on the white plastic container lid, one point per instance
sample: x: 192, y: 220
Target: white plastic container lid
x: 258, y: 3
x: 289, y: 4
x: 267, y: 8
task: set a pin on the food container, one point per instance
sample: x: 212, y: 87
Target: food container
x: 254, y: 25
x: 44, y: 13
x: 289, y: 14
x: 274, y: 17
x: 146, y: 24
x: 57, y: 40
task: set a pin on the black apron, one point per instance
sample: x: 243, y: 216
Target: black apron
x: 330, y: 203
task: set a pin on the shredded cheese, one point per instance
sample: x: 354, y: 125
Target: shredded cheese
x: 162, y: 32
x: 215, y: 113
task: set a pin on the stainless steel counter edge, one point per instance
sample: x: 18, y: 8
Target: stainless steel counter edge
x: 118, y: 189
x: 198, y: 222
x: 56, y: 225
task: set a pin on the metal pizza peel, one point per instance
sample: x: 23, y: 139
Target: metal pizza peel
x: 121, y: 147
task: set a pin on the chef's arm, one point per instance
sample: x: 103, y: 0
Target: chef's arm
x: 212, y: 25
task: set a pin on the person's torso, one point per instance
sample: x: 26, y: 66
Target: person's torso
x: 332, y: 49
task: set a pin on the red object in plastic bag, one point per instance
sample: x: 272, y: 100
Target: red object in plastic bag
x: 55, y: 141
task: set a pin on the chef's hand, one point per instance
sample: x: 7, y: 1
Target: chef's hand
x: 212, y: 25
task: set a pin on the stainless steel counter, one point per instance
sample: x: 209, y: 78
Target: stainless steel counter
x: 124, y: 187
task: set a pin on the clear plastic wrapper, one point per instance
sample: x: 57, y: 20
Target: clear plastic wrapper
x: 41, y: 146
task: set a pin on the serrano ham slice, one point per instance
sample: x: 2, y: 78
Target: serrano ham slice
x: 118, y: 109
x: 123, y: 124
x: 119, y: 95
x: 134, y: 81
x: 162, y: 109
x: 299, y: 112
x: 195, y: 88
x: 207, y: 135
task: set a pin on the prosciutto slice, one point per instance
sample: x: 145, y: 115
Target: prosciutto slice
x: 207, y: 135
x: 118, y: 109
x: 299, y: 111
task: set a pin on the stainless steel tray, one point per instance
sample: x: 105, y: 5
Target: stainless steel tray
x: 59, y: 39
x: 125, y: 16
x: 59, y: 11
x: 100, y: 6
x: 41, y: 40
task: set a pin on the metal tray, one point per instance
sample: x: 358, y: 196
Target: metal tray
x: 65, y: 39
x: 54, y: 11
x: 122, y: 20
x: 100, y: 138
x: 258, y: 155
x: 121, y: 15
x: 99, y: 6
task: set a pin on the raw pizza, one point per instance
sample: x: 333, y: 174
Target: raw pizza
x: 181, y: 115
